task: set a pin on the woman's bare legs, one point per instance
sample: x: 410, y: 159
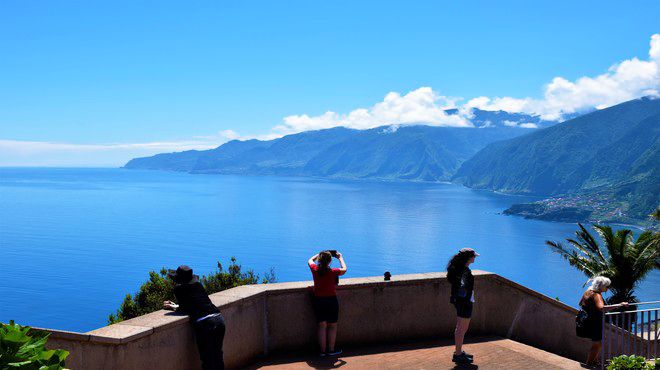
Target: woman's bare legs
x: 594, y: 353
x: 332, y: 336
x: 322, y: 333
x: 462, y: 325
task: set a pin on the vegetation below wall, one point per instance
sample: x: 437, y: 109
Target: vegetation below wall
x: 159, y: 288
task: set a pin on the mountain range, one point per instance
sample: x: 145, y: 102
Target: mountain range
x: 601, y: 166
x: 426, y: 153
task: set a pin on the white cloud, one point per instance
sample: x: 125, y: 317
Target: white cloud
x: 27, y: 147
x: 230, y: 134
x: 40, y: 153
x: 390, y: 129
x: 519, y: 124
x: 627, y: 80
x: 487, y: 123
x: 222, y: 135
x: 423, y: 106
x: 623, y: 81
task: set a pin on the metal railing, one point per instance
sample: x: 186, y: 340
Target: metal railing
x: 633, y: 332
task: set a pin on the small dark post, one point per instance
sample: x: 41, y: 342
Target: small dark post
x: 387, y: 275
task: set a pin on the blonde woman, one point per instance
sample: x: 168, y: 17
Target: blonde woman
x: 593, y: 304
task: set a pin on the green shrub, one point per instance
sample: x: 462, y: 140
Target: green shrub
x: 632, y: 362
x: 159, y: 288
x: 25, y: 349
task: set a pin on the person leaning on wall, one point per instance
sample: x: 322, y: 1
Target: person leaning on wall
x: 205, y: 318
x: 592, y: 308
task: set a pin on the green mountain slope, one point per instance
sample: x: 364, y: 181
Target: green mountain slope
x: 423, y: 153
x: 605, y: 162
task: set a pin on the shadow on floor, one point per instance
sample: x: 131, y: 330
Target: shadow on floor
x: 466, y: 367
x: 326, y: 363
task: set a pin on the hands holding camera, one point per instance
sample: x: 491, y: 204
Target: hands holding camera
x: 333, y: 253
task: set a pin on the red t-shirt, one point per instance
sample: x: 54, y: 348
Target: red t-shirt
x: 324, y: 286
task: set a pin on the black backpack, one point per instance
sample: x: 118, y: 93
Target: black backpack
x: 582, y: 324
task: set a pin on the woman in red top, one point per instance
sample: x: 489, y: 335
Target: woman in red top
x: 326, y: 305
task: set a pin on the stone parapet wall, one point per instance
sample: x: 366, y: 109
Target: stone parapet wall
x: 262, y: 319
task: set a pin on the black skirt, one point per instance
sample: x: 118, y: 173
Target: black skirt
x: 595, y: 327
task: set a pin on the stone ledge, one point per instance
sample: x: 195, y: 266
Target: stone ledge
x: 66, y: 335
x: 119, y: 333
x: 132, y: 329
x: 260, y: 320
x: 159, y: 320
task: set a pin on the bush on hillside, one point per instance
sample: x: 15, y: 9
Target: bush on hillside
x: 159, y: 288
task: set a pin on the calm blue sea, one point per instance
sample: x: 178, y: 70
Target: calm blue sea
x: 73, y: 242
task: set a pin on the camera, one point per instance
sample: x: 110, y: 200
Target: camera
x: 333, y: 252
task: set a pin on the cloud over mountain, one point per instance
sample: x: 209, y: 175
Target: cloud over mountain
x: 629, y: 79
x: 623, y: 81
x: 418, y: 106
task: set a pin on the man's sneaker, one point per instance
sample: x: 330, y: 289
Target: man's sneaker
x: 334, y: 352
x: 462, y: 359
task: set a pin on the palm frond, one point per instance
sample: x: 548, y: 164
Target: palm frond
x: 621, y: 258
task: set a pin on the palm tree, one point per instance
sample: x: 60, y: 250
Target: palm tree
x: 623, y: 260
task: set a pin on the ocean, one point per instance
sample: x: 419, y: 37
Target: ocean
x: 75, y: 241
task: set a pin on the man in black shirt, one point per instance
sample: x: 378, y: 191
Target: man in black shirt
x: 207, y: 323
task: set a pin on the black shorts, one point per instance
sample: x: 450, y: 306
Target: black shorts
x: 463, y: 309
x: 326, y: 309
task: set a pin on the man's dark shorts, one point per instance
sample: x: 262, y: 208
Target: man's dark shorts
x: 326, y: 309
x: 463, y: 309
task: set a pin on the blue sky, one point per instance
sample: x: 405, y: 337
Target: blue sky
x: 95, y: 83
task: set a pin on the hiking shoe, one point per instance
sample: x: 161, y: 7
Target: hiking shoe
x: 334, y: 352
x: 461, y: 359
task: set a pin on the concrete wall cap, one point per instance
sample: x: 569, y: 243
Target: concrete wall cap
x: 119, y: 333
x: 159, y: 320
x: 66, y: 335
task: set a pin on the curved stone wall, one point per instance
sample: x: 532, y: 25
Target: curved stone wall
x: 262, y: 319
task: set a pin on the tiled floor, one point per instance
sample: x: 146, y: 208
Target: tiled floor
x: 489, y: 353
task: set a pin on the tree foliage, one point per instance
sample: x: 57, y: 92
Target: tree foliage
x: 159, y: 288
x: 24, y: 348
x: 625, y: 261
